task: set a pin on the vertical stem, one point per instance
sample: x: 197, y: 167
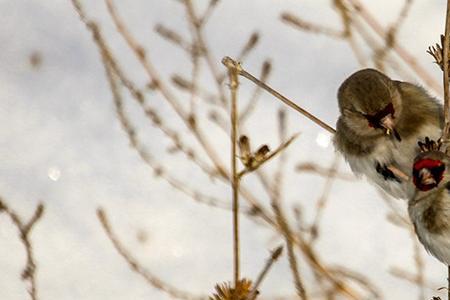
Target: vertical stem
x: 233, y: 71
x: 448, y: 280
x: 446, y: 133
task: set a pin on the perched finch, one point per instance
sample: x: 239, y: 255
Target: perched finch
x: 380, y: 124
x: 429, y: 208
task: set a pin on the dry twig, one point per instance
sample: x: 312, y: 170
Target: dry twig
x: 402, y: 52
x: 445, y: 52
x: 161, y: 86
x: 267, y: 156
x: 319, y: 170
x: 24, y: 228
x: 135, y: 265
x: 285, y: 100
x: 234, y: 83
x: 273, y: 257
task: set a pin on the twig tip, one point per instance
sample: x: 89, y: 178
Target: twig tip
x: 277, y: 252
x: 231, y: 63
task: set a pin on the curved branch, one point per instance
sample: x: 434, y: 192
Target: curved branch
x: 29, y: 272
x: 136, y: 267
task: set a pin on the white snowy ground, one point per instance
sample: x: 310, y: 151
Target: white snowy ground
x: 61, y: 144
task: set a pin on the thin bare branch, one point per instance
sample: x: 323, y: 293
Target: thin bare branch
x: 446, y: 131
x: 249, y: 45
x: 234, y: 83
x: 319, y: 170
x: 271, y: 155
x: 165, y: 91
x: 173, y: 37
x: 145, y: 155
x: 391, y: 35
x: 186, y: 85
x: 208, y: 12
x: 285, y: 100
x: 360, y: 279
x: 138, y: 268
x: 402, y: 52
x: 297, y: 22
x: 287, y: 233
x: 29, y: 271
x: 273, y: 257
x: 410, y: 277
x: 210, y: 60
x: 323, y: 199
x: 247, y: 110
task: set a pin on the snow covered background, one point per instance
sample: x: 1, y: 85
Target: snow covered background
x: 61, y: 144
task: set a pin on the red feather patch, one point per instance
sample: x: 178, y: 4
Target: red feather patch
x: 436, y: 167
x: 427, y: 163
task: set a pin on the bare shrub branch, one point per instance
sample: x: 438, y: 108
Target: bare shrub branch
x: 24, y: 228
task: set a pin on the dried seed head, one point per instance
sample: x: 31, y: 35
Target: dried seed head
x: 244, y: 145
x: 225, y: 291
x: 245, y: 150
x: 261, y: 153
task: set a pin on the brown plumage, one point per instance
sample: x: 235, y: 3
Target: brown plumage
x: 381, y: 121
x: 429, y: 208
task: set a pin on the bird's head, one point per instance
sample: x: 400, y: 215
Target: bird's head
x: 429, y: 170
x: 370, y: 103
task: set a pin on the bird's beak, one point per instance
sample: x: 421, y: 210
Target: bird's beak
x: 388, y: 124
x: 426, y: 178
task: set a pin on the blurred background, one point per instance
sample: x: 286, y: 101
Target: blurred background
x: 154, y: 159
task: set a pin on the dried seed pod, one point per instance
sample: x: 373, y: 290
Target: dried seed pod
x: 261, y: 153
x: 245, y: 150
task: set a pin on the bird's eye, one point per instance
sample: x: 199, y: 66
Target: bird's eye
x: 350, y: 111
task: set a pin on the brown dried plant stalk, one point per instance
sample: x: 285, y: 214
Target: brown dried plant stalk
x: 159, y: 84
x: 113, y: 71
x: 153, y: 75
x: 24, y: 228
x: 446, y: 132
x: 273, y: 257
x: 233, y: 71
x: 285, y: 100
x: 234, y: 83
x: 288, y: 234
x: 357, y: 19
x: 401, y: 51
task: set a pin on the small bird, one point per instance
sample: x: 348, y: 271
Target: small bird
x: 380, y: 124
x: 429, y: 208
